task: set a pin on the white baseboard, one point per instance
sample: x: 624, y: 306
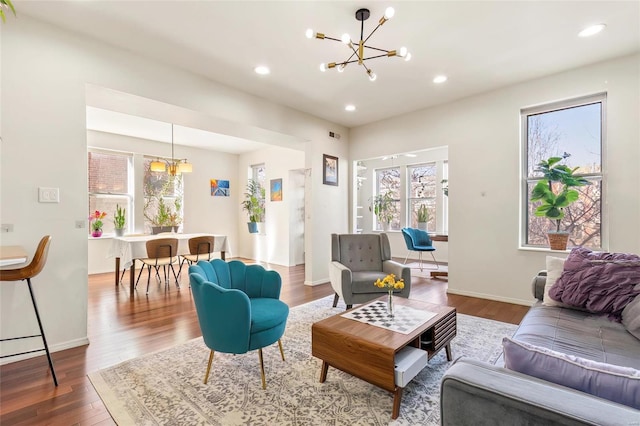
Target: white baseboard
x: 491, y: 297
x: 52, y: 348
x: 316, y: 282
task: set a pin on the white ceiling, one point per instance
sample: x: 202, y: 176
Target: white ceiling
x: 479, y: 45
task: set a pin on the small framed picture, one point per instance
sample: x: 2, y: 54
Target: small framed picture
x: 219, y: 188
x: 276, y: 189
x: 329, y: 170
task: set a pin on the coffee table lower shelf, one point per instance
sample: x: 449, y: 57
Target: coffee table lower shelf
x: 368, y: 352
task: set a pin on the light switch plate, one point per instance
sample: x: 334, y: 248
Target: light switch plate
x: 49, y: 195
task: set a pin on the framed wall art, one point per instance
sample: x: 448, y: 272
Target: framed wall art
x: 329, y: 170
x: 276, y: 189
x: 220, y: 188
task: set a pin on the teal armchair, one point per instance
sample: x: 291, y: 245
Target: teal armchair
x: 238, y: 308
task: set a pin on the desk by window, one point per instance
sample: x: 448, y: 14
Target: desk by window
x: 126, y: 249
x: 439, y: 237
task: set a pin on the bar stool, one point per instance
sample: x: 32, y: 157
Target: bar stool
x: 26, y: 273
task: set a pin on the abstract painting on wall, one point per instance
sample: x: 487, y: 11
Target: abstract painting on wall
x: 330, y: 170
x: 276, y: 189
x: 220, y: 188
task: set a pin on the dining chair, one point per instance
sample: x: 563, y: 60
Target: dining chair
x: 200, y: 248
x: 26, y: 273
x: 160, y: 252
x: 419, y: 241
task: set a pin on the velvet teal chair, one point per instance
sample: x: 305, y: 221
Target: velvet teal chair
x: 238, y: 308
x: 419, y: 241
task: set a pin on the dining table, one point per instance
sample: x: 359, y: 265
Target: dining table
x: 128, y: 248
x: 12, y: 255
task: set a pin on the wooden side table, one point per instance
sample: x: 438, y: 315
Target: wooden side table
x: 439, y: 237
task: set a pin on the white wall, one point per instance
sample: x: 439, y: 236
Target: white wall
x: 483, y: 136
x: 44, y: 74
x: 202, y: 212
x: 272, y: 243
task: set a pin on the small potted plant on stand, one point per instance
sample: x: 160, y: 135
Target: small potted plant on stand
x: 384, y: 208
x: 253, y: 204
x: 423, y: 217
x: 119, y: 220
x: 96, y: 223
x: 554, y: 193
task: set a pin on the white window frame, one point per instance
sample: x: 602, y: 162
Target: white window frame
x: 525, y: 180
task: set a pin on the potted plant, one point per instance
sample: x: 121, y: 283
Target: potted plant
x: 555, y: 194
x: 174, y: 218
x: 119, y: 220
x: 423, y: 217
x: 383, y: 206
x: 253, y: 204
x: 161, y: 222
x: 96, y: 223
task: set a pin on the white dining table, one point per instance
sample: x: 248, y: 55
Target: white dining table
x: 128, y: 248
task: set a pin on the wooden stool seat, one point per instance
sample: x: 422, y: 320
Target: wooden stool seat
x: 26, y: 273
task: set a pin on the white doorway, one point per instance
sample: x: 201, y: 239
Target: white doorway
x: 296, y: 217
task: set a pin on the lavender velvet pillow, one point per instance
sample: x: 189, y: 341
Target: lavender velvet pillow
x: 607, y: 381
x: 599, y: 282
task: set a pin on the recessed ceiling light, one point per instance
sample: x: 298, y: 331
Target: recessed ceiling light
x: 440, y: 79
x: 262, y: 70
x: 592, y: 30
x: 350, y: 108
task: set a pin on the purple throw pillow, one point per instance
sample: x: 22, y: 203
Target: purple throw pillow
x: 599, y: 282
x: 608, y: 381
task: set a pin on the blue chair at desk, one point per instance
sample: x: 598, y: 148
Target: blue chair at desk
x: 419, y: 241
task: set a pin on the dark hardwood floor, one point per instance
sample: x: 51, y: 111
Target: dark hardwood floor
x: 120, y: 328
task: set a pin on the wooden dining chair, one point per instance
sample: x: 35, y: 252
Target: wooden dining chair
x: 200, y: 248
x: 26, y: 273
x: 160, y: 252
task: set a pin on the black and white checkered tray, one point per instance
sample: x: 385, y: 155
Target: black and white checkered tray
x: 404, y: 321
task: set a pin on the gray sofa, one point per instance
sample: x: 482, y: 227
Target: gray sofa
x: 478, y: 393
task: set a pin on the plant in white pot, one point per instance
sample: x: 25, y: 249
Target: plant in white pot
x: 253, y: 204
x: 555, y: 194
x: 119, y: 220
x: 384, y: 207
x: 423, y: 217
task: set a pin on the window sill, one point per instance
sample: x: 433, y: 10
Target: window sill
x: 102, y: 237
x: 544, y: 250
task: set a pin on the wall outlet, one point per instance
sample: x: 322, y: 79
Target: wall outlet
x: 6, y: 227
x: 49, y: 195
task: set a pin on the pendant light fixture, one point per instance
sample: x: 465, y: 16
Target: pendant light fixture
x: 173, y: 167
x: 358, y: 47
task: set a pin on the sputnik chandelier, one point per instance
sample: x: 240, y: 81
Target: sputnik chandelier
x: 358, y: 48
x: 174, y: 167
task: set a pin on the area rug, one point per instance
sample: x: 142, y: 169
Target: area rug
x: 166, y: 388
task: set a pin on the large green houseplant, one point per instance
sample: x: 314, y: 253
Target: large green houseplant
x: 384, y: 207
x: 555, y: 194
x: 253, y: 204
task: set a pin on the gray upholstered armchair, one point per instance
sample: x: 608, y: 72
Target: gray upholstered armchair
x: 357, y: 261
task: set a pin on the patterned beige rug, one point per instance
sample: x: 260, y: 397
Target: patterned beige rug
x: 165, y: 388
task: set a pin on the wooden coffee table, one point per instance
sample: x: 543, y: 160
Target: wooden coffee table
x: 368, y: 352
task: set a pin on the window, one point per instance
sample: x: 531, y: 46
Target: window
x: 163, y: 198
x: 422, y: 194
x: 110, y: 184
x: 576, y: 128
x: 388, y: 182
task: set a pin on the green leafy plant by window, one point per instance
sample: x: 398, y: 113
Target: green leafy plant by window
x: 253, y: 203
x: 555, y: 198
x: 383, y: 206
x: 423, y: 214
x: 119, y: 217
x: 6, y: 4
